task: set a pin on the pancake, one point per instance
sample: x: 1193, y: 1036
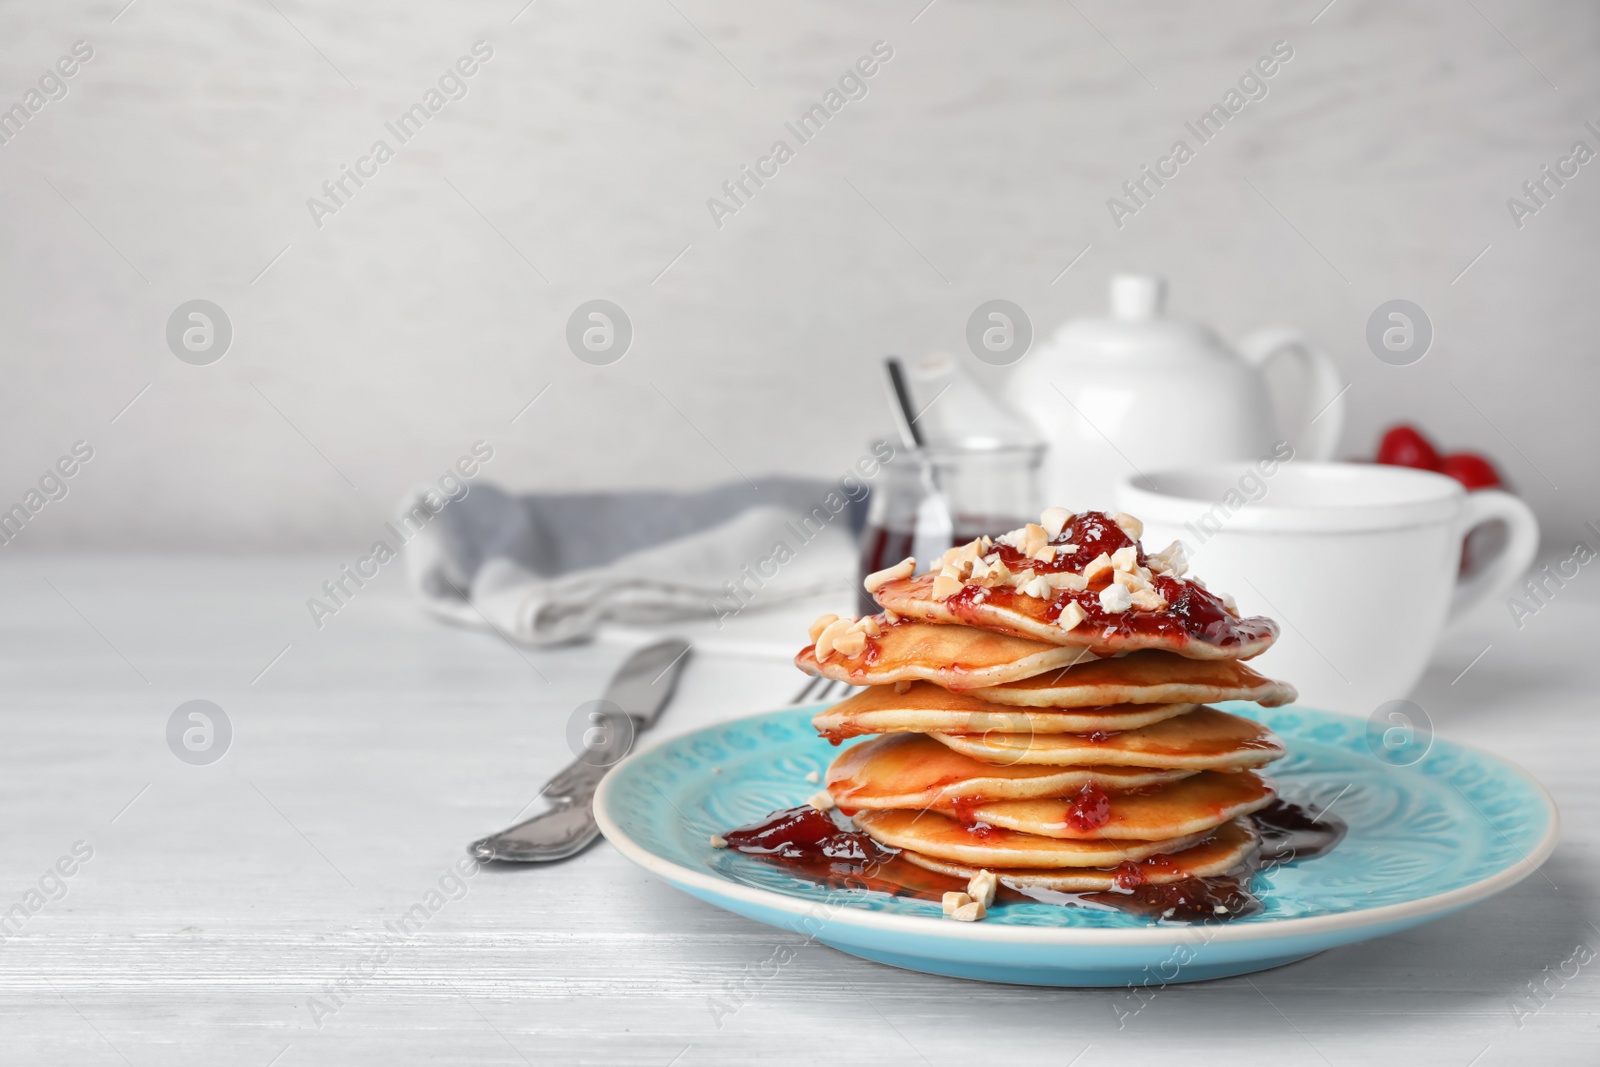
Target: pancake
x: 925, y: 707
x: 1219, y: 853
x: 941, y: 837
x: 1194, y: 624
x: 1149, y: 676
x: 913, y: 771
x: 1203, y: 740
x: 956, y: 657
x: 1194, y: 805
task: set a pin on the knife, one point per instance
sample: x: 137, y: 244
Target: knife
x: 637, y: 694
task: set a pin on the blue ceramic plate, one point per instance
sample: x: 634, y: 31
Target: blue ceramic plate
x: 1425, y: 840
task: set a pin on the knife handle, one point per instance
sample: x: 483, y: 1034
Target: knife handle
x: 568, y: 826
x: 576, y: 782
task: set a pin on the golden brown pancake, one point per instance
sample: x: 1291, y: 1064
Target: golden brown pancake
x: 1194, y: 805
x: 941, y: 837
x: 1203, y: 740
x: 957, y: 657
x: 925, y: 707
x: 914, y: 771
x: 1150, y: 676
x: 1219, y: 853
x: 1008, y: 611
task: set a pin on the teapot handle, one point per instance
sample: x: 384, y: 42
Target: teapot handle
x: 1311, y: 423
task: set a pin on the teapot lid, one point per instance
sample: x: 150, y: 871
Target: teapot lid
x: 1137, y: 325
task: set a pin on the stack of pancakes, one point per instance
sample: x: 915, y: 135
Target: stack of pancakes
x: 1034, y: 724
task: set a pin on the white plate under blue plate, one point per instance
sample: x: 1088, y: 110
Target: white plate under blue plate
x: 1424, y: 840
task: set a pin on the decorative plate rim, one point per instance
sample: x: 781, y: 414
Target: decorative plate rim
x: 1156, y: 935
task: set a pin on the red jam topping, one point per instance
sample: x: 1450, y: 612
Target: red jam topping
x: 1090, y: 809
x: 817, y: 845
x: 1191, y: 612
x: 801, y: 833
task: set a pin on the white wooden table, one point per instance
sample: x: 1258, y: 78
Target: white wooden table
x: 220, y: 899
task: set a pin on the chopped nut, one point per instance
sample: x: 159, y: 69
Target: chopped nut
x: 830, y: 634
x: 953, y: 900
x: 1129, y: 525
x: 868, y: 625
x: 1033, y: 538
x: 1072, y: 583
x: 1071, y: 615
x: 1171, y: 560
x: 822, y: 800
x: 890, y: 617
x: 982, y: 887
x: 1014, y: 538
x: 902, y: 686
x: 997, y: 574
x: 1020, y: 578
x: 1130, y: 580
x: 971, y: 912
x: 1148, y: 600
x: 980, y: 571
x: 852, y: 643
x: 1115, y: 599
x: 1046, y: 554
x: 820, y: 625
x: 1230, y: 605
x: 813, y: 777
x: 903, y: 569
x: 1037, y: 587
x: 1097, y: 566
x: 1125, y: 558
x: 718, y: 841
x: 1054, y: 520
x: 959, y: 568
x: 945, y: 586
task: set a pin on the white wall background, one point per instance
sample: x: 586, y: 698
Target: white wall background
x: 407, y: 327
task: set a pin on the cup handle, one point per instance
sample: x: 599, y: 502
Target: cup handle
x: 1505, y: 569
x: 1315, y: 430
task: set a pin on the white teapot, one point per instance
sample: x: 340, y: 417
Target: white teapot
x: 1140, y: 392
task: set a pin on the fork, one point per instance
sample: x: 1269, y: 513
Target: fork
x: 824, y: 691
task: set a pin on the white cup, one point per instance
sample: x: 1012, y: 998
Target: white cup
x: 1358, y: 563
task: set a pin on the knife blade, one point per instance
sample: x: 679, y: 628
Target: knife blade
x: 633, y: 701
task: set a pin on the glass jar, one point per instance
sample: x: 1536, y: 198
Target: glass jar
x: 930, y: 499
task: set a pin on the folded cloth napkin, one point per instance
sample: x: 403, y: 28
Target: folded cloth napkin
x: 552, y: 567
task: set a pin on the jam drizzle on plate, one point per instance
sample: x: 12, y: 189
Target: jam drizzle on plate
x: 824, y: 848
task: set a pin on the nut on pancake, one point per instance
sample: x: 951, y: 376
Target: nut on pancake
x: 1194, y: 805
x: 1203, y: 740
x: 942, y: 837
x: 1010, y: 612
x: 925, y: 707
x: 915, y: 771
x: 1219, y: 853
x: 1148, y: 676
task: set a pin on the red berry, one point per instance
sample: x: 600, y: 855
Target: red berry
x: 1404, y: 446
x: 1471, y: 470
